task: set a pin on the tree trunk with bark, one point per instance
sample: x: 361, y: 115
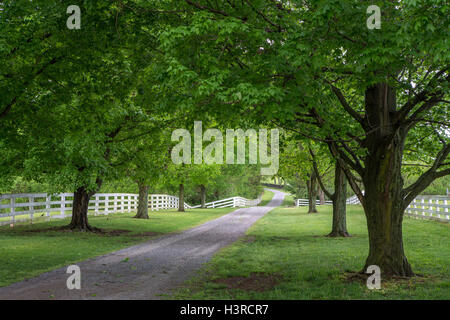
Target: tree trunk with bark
x: 339, y: 227
x: 203, y: 196
x: 142, y: 210
x: 339, y: 198
x: 181, y: 198
x: 312, y: 193
x: 384, y: 202
x: 80, y: 211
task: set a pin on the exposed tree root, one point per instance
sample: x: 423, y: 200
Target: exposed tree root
x: 337, y: 234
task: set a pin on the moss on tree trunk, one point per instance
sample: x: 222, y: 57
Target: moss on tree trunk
x: 384, y: 202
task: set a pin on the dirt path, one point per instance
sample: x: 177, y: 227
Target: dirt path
x: 147, y: 270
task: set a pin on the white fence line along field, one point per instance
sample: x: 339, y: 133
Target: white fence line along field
x: 305, y: 202
x: 422, y: 207
x: 353, y: 200
x: 429, y: 207
x: 24, y: 206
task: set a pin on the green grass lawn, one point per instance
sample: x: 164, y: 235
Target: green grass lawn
x: 26, y: 218
x: 25, y: 253
x: 289, y: 200
x: 266, y: 197
x: 289, y: 245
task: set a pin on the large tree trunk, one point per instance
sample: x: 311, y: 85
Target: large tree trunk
x: 203, y: 196
x: 142, y: 210
x: 312, y: 193
x: 383, y: 200
x: 339, y: 228
x: 181, y: 199
x: 80, y: 211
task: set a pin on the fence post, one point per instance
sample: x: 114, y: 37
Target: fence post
x: 63, y: 205
x: 438, y: 209
x: 47, y: 206
x: 96, y: 205
x: 31, y: 208
x: 423, y: 207
x: 446, y: 209
x: 13, y: 211
x: 430, y: 207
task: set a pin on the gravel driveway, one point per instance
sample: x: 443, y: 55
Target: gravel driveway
x: 147, y: 270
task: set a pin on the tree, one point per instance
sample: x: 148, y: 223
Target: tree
x: 204, y: 175
x: 362, y: 92
x: 176, y: 176
x: 339, y: 198
x: 149, y: 159
x: 296, y: 163
x: 70, y: 95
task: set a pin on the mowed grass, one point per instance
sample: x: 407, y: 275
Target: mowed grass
x: 290, y: 244
x: 28, y: 250
x: 266, y: 197
x: 289, y: 200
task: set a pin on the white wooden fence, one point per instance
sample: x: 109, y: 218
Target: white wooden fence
x: 231, y: 202
x: 422, y: 207
x: 430, y: 207
x: 353, y: 200
x: 21, y: 207
x: 305, y: 202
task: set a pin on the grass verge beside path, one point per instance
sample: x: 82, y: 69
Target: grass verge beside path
x: 289, y: 200
x: 266, y: 197
x: 29, y: 250
x: 285, y: 255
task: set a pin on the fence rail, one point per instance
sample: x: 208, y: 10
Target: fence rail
x: 231, y: 202
x: 25, y: 206
x: 422, y: 207
x: 353, y: 200
x: 305, y: 202
x: 430, y: 207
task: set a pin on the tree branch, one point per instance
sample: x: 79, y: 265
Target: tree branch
x: 264, y: 16
x: 9, y: 106
x: 319, y: 179
x: 422, y: 96
x: 355, y: 115
x: 428, y: 177
x: 350, y: 177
